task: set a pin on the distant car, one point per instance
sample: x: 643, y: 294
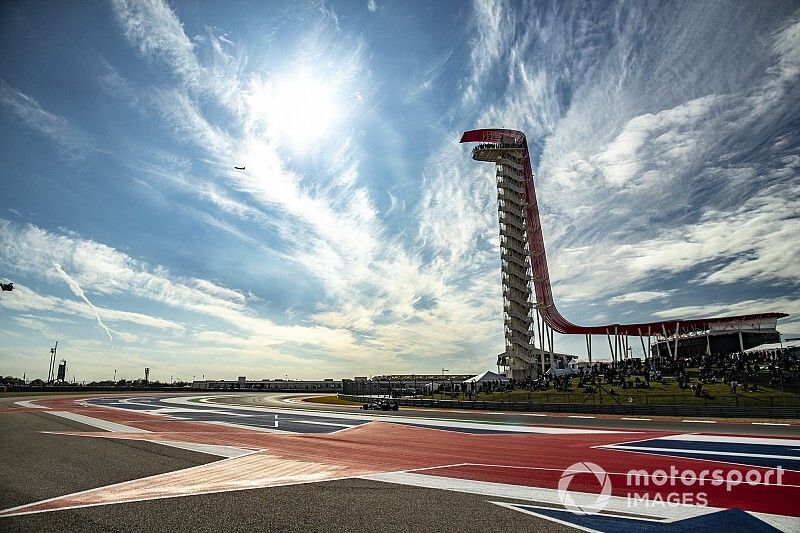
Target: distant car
x: 381, y: 405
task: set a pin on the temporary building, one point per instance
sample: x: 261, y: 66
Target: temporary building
x: 486, y: 376
x: 794, y: 343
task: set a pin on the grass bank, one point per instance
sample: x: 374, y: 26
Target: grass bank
x: 329, y: 400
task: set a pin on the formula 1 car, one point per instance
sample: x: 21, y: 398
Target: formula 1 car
x: 381, y: 405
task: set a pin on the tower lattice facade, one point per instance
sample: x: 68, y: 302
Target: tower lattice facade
x: 518, y: 297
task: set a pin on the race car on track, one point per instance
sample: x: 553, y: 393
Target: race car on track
x: 381, y: 405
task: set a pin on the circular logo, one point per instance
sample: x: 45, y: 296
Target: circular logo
x: 582, y: 502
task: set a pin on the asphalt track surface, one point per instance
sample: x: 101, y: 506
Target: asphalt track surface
x: 766, y: 427
x: 333, y: 468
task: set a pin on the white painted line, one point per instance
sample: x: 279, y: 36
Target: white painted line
x: 581, y: 416
x: 348, y: 428
x: 467, y: 411
x: 29, y: 404
x: 97, y: 423
x: 519, y: 492
x: 527, y: 510
x: 429, y: 422
x: 610, y: 473
x: 316, y: 423
x: 683, y: 451
x: 293, y: 400
x: 737, y: 439
x: 249, y: 428
x: 167, y: 412
x: 700, y: 421
x: 171, y: 410
x: 636, y: 419
x: 781, y: 523
x: 769, y: 424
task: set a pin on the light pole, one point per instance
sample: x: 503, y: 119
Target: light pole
x: 51, y: 375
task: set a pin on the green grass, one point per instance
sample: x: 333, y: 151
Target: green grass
x: 45, y: 394
x: 4, y: 394
x: 330, y: 400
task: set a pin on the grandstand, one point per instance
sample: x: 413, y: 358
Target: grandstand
x: 531, y: 315
x: 722, y: 338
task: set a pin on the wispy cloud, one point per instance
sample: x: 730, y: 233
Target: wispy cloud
x: 492, y: 32
x: 331, y: 224
x: 741, y: 307
x: 639, y: 297
x: 71, y: 142
x: 76, y: 289
x: 25, y: 301
x: 105, y: 269
x: 681, y: 171
x: 110, y: 272
x: 662, y: 140
x: 426, y: 80
x: 116, y: 85
x: 645, y: 168
x: 155, y: 30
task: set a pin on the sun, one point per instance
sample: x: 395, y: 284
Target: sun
x: 296, y: 109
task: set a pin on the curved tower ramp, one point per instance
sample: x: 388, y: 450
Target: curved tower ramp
x: 523, y: 257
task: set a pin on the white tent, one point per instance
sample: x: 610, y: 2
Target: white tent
x: 794, y: 343
x: 486, y: 376
x: 562, y: 371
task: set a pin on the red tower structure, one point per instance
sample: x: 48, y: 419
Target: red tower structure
x: 508, y: 149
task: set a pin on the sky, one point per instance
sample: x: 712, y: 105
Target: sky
x: 361, y: 238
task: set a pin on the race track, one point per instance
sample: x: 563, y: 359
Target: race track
x: 210, y: 462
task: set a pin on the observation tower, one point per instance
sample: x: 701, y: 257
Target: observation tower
x: 531, y: 314
x: 518, y: 299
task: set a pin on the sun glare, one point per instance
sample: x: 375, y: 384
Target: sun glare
x: 297, y: 109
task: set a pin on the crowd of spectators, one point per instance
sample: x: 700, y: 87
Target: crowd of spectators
x: 774, y: 368
x: 742, y: 371
x: 745, y: 371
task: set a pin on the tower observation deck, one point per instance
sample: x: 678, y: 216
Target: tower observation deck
x: 524, y: 262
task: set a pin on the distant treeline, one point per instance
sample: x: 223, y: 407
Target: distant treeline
x: 11, y: 383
